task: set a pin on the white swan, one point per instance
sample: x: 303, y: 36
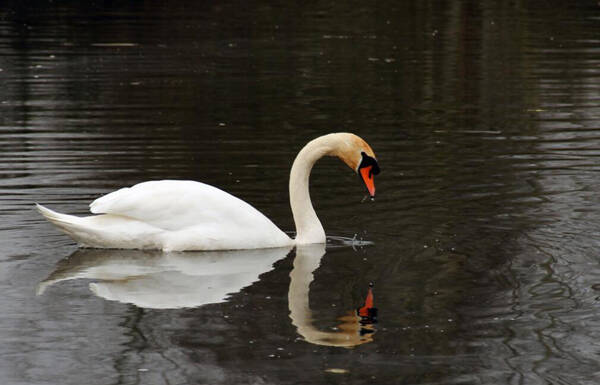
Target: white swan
x: 188, y: 215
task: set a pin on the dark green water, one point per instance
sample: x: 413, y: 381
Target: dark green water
x: 484, y: 115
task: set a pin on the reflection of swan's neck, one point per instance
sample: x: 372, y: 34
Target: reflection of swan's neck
x: 300, y: 278
x: 306, y: 262
x: 308, y: 226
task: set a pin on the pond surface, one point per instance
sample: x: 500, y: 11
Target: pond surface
x: 485, y: 118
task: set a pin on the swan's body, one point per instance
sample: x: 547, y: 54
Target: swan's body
x: 188, y: 215
x: 171, y: 215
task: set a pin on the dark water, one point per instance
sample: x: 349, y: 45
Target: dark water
x: 485, y: 117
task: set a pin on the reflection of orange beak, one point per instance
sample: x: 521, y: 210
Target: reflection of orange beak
x: 364, y: 311
x: 367, y: 177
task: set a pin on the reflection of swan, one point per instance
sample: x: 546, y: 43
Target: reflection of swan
x: 187, y: 215
x: 351, y: 331
x: 153, y: 279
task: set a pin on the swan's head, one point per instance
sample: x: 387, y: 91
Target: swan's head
x: 359, y: 156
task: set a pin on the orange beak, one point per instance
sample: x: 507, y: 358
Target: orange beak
x: 367, y: 177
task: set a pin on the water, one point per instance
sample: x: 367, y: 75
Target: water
x: 485, y: 117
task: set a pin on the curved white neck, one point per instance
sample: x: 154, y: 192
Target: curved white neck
x: 308, y: 226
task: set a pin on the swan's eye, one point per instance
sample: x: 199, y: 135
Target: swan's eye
x: 367, y: 161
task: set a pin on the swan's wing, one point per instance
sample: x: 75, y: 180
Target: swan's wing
x: 175, y: 205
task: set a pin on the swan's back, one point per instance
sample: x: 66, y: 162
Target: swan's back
x: 178, y: 204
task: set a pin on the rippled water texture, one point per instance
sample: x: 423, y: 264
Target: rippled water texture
x: 483, y: 240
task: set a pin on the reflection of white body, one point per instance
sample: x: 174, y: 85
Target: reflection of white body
x: 152, y: 279
x: 187, y: 215
x: 166, y: 280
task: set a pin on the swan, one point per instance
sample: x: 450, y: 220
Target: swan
x: 178, y: 215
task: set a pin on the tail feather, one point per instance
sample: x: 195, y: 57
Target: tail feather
x: 60, y: 220
x: 70, y: 224
x: 105, y: 231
